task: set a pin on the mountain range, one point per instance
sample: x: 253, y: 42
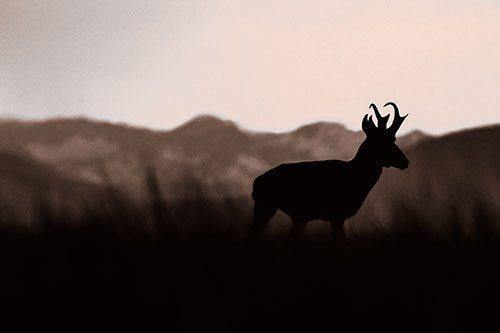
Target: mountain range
x: 79, y: 159
x: 215, y: 152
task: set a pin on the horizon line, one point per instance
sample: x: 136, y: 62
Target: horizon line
x: 239, y: 125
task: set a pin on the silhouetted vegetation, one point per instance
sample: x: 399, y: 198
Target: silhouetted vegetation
x: 190, y: 262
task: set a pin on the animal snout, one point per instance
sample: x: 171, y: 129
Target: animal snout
x: 402, y: 163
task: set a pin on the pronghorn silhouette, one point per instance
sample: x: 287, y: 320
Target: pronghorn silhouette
x: 330, y: 190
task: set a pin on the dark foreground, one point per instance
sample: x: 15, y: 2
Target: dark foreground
x: 148, y: 267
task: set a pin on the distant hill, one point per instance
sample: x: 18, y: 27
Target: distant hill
x: 455, y: 177
x: 215, y: 152
x: 70, y: 161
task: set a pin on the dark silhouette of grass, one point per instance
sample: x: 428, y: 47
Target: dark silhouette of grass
x: 187, y: 265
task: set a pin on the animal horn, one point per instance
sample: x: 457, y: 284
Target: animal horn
x: 398, y: 120
x: 368, y: 126
x: 382, y: 121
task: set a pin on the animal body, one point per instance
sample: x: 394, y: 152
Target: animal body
x: 330, y: 190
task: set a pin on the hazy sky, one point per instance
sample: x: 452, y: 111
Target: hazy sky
x: 269, y: 65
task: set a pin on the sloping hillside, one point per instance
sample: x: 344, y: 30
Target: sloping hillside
x: 455, y: 177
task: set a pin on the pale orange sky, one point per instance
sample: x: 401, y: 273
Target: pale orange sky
x: 268, y: 65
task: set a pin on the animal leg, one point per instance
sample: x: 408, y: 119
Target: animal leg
x: 262, y: 213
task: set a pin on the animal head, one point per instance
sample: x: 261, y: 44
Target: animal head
x: 380, y: 141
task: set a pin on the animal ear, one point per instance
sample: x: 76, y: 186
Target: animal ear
x: 368, y: 126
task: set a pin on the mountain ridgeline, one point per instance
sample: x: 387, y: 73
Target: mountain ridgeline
x: 213, y: 157
x: 215, y: 152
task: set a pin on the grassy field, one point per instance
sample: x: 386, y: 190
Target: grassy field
x: 188, y: 264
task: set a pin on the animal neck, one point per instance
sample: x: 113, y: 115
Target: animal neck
x: 366, y: 161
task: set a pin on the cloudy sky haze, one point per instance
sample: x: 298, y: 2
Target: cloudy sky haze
x: 268, y: 65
